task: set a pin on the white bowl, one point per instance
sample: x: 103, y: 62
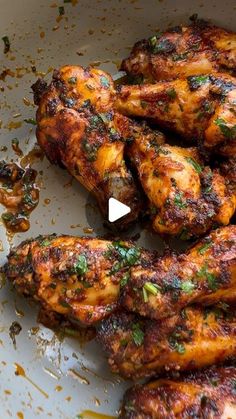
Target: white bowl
x: 99, y: 31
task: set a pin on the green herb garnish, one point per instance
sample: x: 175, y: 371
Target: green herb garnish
x: 80, y: 266
x: 195, y: 82
x: 204, y: 248
x: 228, y: 132
x: 195, y: 164
x: 171, y: 93
x: 187, y: 287
x: 137, y: 334
x: 178, y: 200
x: 210, y: 277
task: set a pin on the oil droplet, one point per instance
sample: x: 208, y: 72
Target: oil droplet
x: 19, y: 312
x: 76, y: 375
x: 34, y: 330
x: 97, y: 401
x: 89, y: 414
x: 51, y: 373
x: 42, y: 34
x: 20, y: 371
x: 1, y: 246
x: 68, y: 398
x: 88, y: 230
x: 8, y: 392
x: 20, y: 415
x: 47, y: 201
x: 58, y: 388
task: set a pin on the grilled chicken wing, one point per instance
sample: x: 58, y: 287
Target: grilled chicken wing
x: 76, y: 277
x: 206, y: 394
x: 77, y: 128
x: 82, y: 277
x: 186, y: 198
x: 205, y: 274
x: 182, y: 51
x: 193, y: 339
x: 201, y: 107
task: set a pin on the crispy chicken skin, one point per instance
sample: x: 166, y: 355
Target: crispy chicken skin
x: 76, y: 277
x: 192, y: 339
x: 205, y: 274
x: 186, y: 198
x: 78, y: 129
x: 202, y: 394
x: 200, y: 108
x: 87, y: 279
x: 182, y: 51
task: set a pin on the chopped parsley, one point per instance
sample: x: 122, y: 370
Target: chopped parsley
x: 163, y: 46
x: 195, y: 82
x: 80, y: 266
x: 46, y: 242
x: 204, y: 248
x: 228, y: 132
x: 137, y: 334
x: 179, y: 57
x: 187, y: 287
x: 171, y: 92
x: 176, y: 346
x: 7, y: 44
x: 210, y: 277
x: 128, y: 256
x: 143, y: 104
x: 195, y: 165
x: 124, y: 280
x: 178, y: 200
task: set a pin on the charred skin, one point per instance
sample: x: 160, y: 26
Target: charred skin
x: 78, y: 129
x: 190, y: 340
x: 205, y: 274
x: 181, y: 52
x: 186, y: 198
x: 206, y: 394
x: 200, y: 108
x: 76, y: 277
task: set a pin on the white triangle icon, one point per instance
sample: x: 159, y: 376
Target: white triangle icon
x: 116, y: 210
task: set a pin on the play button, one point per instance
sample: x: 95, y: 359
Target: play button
x: 116, y: 210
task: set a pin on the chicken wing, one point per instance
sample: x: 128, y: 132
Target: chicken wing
x: 200, y: 108
x: 205, y: 274
x: 82, y: 278
x: 76, y: 277
x: 77, y: 128
x: 186, y: 198
x: 191, y: 340
x: 182, y: 51
x: 205, y: 394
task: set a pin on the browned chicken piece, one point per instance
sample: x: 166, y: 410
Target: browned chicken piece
x: 192, y: 339
x: 203, y: 394
x: 182, y: 51
x: 78, y: 129
x: 186, y: 199
x: 200, y: 108
x: 76, y: 277
x: 228, y: 170
x: 205, y: 274
x: 81, y: 278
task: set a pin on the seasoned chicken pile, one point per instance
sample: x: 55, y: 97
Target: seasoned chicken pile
x: 167, y: 316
